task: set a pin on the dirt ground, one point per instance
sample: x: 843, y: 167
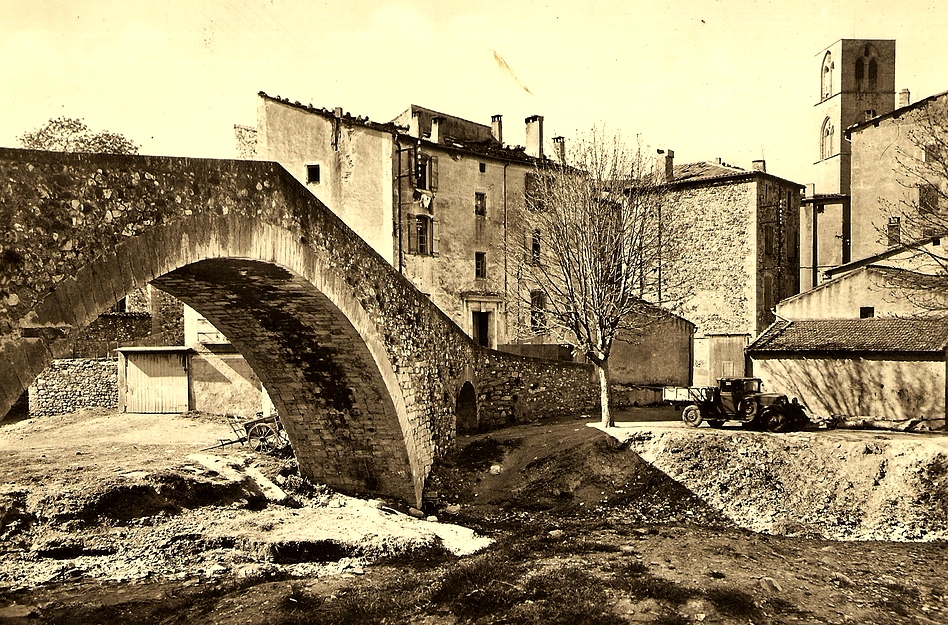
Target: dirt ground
x: 108, y: 518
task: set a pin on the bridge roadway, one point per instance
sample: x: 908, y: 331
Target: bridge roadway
x: 368, y: 376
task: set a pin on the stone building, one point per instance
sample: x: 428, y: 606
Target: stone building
x: 856, y: 82
x: 736, y: 253
x: 430, y: 192
x: 897, y: 175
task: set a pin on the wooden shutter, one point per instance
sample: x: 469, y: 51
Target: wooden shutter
x: 435, y: 237
x: 433, y: 172
x: 411, y: 228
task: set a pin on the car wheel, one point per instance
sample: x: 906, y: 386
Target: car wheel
x: 748, y: 408
x: 777, y: 420
x: 691, y: 415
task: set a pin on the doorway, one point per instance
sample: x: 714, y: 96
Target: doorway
x: 480, y: 324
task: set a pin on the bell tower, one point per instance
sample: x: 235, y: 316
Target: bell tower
x: 856, y: 82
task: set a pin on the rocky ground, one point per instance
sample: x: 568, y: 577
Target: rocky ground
x: 110, y: 518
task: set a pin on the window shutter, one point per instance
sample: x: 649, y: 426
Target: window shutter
x: 435, y: 237
x: 411, y: 227
x: 433, y: 174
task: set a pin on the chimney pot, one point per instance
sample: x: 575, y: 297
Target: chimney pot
x: 535, y: 135
x: 435, y: 136
x: 497, y: 128
x: 414, y: 125
x: 905, y: 98
x: 759, y: 165
x: 664, y: 167
x: 560, y: 143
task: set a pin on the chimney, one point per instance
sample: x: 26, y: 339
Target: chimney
x: 497, y: 128
x: 414, y: 125
x: 436, y: 129
x: 905, y: 98
x: 760, y: 165
x: 664, y: 167
x: 560, y: 143
x: 810, y: 189
x: 535, y: 135
x: 870, y: 113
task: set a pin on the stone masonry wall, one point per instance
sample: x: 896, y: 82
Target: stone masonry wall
x: 110, y: 331
x: 515, y: 389
x: 70, y: 384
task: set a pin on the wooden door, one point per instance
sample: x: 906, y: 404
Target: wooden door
x: 156, y: 382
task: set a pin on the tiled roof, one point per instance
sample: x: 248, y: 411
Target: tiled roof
x: 487, y: 148
x: 704, y: 170
x: 879, y: 334
x: 874, y: 121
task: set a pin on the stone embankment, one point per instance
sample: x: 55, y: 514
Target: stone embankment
x: 831, y: 484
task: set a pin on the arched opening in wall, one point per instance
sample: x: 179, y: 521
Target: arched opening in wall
x: 318, y: 371
x: 827, y: 139
x: 466, y: 408
x: 826, y: 77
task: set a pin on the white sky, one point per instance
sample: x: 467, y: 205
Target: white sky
x: 735, y: 79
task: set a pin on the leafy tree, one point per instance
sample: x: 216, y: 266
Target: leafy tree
x: 593, y: 256
x: 66, y: 134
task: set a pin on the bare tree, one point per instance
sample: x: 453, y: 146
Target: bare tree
x: 66, y: 134
x: 922, y: 211
x: 593, y: 234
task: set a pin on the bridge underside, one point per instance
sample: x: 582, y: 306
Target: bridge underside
x: 317, y: 369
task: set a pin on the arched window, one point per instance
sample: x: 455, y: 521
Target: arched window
x: 826, y: 77
x: 860, y: 74
x: 873, y: 74
x: 827, y: 139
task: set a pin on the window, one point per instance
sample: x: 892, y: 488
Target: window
x: 480, y: 264
x: 867, y: 312
x: 927, y: 198
x: 482, y: 167
x: 426, y: 172
x: 312, y: 174
x: 537, y: 311
x: 769, y: 239
x: 533, y: 190
x: 873, y: 74
x: 480, y: 204
x: 422, y: 232
x: 826, y: 77
x: 894, y: 231
x: 535, y: 248
x: 827, y: 137
x: 933, y: 153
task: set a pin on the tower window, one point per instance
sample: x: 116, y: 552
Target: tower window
x: 826, y: 77
x: 873, y: 74
x: 480, y: 264
x: 312, y: 174
x: 827, y: 138
x: 867, y: 312
x: 482, y: 167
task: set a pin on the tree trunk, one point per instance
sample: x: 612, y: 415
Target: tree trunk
x: 602, y: 369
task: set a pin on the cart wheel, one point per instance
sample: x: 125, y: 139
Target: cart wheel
x: 261, y: 437
x: 691, y: 415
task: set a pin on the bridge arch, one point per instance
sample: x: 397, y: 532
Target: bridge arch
x: 364, y: 370
x: 354, y: 358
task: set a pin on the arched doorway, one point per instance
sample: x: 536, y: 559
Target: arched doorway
x: 466, y: 409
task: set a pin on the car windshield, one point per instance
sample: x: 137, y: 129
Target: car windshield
x: 751, y: 386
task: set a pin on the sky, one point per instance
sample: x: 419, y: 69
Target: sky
x: 729, y: 79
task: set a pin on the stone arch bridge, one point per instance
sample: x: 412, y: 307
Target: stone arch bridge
x: 366, y: 373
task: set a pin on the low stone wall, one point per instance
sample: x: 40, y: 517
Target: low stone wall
x: 516, y: 389
x: 71, y: 384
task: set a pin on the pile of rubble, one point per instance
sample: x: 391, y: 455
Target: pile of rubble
x: 211, y: 517
x: 836, y: 485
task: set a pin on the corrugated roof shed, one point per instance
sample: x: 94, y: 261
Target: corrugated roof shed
x: 880, y: 334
